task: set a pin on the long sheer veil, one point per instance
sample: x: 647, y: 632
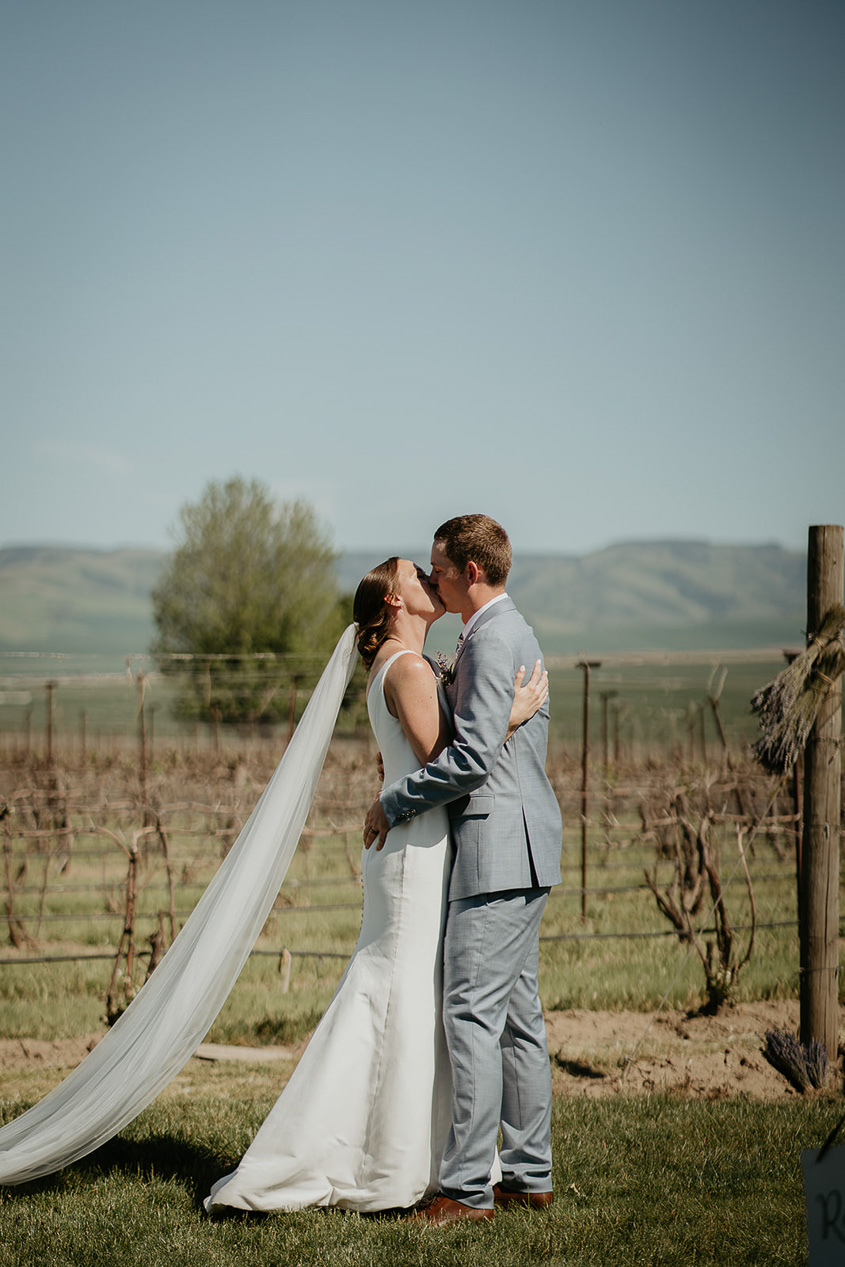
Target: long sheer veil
x: 168, y: 1018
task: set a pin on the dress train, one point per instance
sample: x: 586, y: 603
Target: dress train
x: 168, y: 1018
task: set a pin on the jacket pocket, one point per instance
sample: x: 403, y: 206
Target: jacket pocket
x: 479, y: 806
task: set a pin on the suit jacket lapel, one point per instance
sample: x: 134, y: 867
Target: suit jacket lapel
x: 498, y: 609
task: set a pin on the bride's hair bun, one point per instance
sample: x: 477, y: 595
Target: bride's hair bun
x: 370, y: 612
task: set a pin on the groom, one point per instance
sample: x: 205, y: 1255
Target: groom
x: 506, y: 828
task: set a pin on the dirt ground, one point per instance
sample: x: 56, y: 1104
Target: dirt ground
x: 705, y: 1057
x: 593, y: 1053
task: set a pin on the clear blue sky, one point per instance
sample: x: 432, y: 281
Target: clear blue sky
x: 576, y: 263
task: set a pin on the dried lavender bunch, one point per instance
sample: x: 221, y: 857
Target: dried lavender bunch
x: 803, y: 1065
x: 783, y: 1052
x: 815, y: 1059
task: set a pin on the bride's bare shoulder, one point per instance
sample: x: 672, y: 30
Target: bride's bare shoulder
x: 406, y: 666
x: 409, y: 674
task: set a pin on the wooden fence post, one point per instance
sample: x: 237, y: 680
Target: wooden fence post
x: 819, y: 881
x: 606, y: 697
x: 797, y: 788
x: 142, y: 744
x: 586, y: 665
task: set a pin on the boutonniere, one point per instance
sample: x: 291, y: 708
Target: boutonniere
x: 446, y: 668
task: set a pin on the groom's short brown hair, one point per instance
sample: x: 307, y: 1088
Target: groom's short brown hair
x: 478, y: 539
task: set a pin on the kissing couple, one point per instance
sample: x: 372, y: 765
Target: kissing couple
x: 434, y: 1039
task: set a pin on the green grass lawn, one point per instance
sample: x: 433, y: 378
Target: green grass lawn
x: 638, y: 1181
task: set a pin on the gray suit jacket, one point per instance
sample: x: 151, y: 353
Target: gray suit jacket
x: 505, y: 819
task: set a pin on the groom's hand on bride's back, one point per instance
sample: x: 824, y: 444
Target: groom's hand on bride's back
x: 376, y: 826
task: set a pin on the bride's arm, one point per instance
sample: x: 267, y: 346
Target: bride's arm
x: 411, y: 695
x: 410, y: 690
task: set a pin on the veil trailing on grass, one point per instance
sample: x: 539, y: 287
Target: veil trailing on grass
x: 163, y: 1026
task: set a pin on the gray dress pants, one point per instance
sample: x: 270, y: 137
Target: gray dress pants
x: 497, y: 1046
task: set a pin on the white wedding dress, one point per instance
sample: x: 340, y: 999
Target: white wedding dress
x: 363, y: 1120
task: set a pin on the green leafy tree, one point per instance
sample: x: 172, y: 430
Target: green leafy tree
x: 248, y: 605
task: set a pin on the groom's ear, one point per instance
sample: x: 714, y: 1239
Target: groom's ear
x: 472, y: 572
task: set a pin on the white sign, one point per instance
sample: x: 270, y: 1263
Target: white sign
x: 824, y: 1186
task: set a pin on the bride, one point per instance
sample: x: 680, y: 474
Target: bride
x: 383, y: 1025
x: 363, y: 1120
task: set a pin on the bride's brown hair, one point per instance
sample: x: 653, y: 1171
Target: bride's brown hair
x: 370, y: 612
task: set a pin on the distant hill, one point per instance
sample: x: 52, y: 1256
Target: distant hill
x: 56, y: 598
x: 651, y: 595
x: 665, y: 594
x: 634, y: 596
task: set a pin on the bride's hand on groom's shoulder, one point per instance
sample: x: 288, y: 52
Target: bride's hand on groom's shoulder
x: 528, y: 697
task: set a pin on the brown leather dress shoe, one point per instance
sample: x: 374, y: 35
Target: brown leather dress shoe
x: 531, y: 1200
x: 444, y: 1210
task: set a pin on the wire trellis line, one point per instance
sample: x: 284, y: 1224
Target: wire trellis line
x: 665, y: 932
x: 331, y: 954
x: 70, y: 917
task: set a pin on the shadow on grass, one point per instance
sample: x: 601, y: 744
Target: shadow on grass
x: 192, y: 1165
x: 166, y: 1157
x: 578, y: 1069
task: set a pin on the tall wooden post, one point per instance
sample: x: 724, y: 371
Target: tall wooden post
x: 142, y: 749
x: 606, y: 697
x: 797, y: 789
x: 142, y: 738
x: 586, y: 665
x: 819, y: 883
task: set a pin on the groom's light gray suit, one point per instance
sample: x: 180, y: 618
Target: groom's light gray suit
x: 506, y: 828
